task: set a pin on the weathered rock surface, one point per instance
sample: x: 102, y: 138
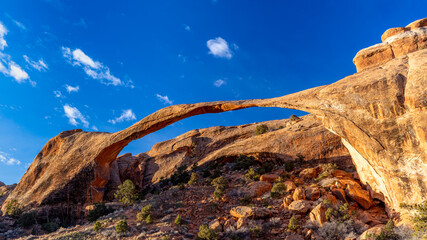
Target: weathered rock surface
x: 318, y: 215
x: 379, y: 114
x: 396, y: 42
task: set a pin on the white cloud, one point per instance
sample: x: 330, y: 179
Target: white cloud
x: 94, y: 128
x: 4, y: 158
x: 74, y: 116
x: 127, y: 115
x: 219, y: 83
x: 93, y: 69
x: 40, y: 65
x: 3, y: 32
x: 164, y: 99
x: 71, y: 89
x: 17, y: 73
x: 57, y: 94
x: 187, y: 28
x: 219, y: 48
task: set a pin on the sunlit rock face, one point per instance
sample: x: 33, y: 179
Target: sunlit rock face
x: 379, y: 113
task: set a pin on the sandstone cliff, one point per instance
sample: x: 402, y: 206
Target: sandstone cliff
x: 379, y: 113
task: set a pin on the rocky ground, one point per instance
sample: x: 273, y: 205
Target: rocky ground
x: 297, y: 200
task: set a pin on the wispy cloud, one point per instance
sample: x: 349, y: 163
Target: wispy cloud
x: 3, y: 32
x: 127, y: 115
x: 187, y: 28
x: 219, y: 83
x: 71, y: 89
x: 57, y: 94
x: 219, y: 48
x: 182, y: 58
x: 20, y: 25
x: 80, y: 23
x: 6, y: 159
x: 164, y: 99
x: 93, y: 69
x: 39, y: 65
x: 75, y: 117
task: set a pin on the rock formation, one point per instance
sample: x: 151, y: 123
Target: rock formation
x: 396, y: 42
x: 379, y: 113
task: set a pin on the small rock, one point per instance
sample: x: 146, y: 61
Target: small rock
x: 312, y: 193
x: 301, y: 206
x: 258, y: 188
x: 215, y: 225
x: 269, y: 177
x: 340, y: 194
x: 287, y: 200
x: 308, y: 173
x: 360, y: 196
x: 290, y: 186
x: 241, y: 211
x: 318, y: 214
x: 299, y: 194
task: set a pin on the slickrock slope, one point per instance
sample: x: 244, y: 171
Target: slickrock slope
x: 285, y: 140
x: 379, y: 113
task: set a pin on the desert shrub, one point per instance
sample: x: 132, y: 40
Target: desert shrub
x: 50, y: 227
x: 193, y: 179
x: 327, y: 170
x: 387, y: 233
x: 278, y: 190
x: 330, y: 212
x: 13, y: 208
x: 345, y: 211
x: 126, y: 193
x: 166, y: 238
x: 99, y: 210
x: 149, y: 219
x: 266, y: 167
x: 261, y: 129
x: 327, y: 202
x: 293, y: 224
x: 181, y: 175
x: 243, y: 162
x: 145, y: 211
x: 256, y: 230
x: 289, y: 166
x: 27, y: 219
x: 419, y: 218
x: 252, y: 175
x: 122, y: 226
x: 206, y: 233
x: 97, y: 226
x: 294, y: 118
x: 335, y: 230
x: 220, y: 184
x: 178, y: 220
x: 246, y: 200
x: 275, y: 221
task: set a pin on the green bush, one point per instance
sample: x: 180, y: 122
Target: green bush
x: 293, y: 224
x: 243, y: 162
x: 266, y: 167
x: 327, y: 202
x: 181, y: 175
x: 13, y: 208
x: 27, y: 219
x: 194, y: 179
x: 252, y: 175
x: 50, y: 227
x: 166, y: 238
x: 261, y: 129
x: 122, y: 226
x: 178, y: 220
x: 206, y: 233
x: 327, y: 170
x: 345, y: 211
x: 329, y: 213
x: 126, y: 193
x: 149, y: 219
x: 220, y: 184
x: 419, y: 218
x: 278, y: 190
x: 387, y: 233
x: 145, y: 211
x: 99, y: 210
x: 97, y: 226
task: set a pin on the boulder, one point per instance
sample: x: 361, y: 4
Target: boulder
x: 241, y: 211
x: 2, y: 184
x: 312, y: 193
x: 308, y: 173
x: 290, y: 186
x: 393, y: 31
x: 215, y: 225
x: 300, y: 206
x: 339, y: 194
x: 368, y: 234
x: 287, y: 200
x: 317, y: 215
x: 256, y: 189
x: 269, y: 177
x: 359, y: 195
x: 299, y: 194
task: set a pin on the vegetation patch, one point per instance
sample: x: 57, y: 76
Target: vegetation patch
x: 126, y: 193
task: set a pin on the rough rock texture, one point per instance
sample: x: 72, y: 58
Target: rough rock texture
x: 378, y: 113
x: 396, y: 42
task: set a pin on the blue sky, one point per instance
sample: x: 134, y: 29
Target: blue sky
x: 103, y: 65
